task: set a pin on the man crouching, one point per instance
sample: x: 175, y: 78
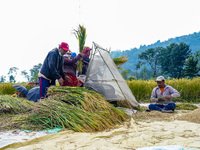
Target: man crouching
x: 162, y: 95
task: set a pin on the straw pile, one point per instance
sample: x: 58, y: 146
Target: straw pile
x: 120, y: 61
x: 74, y: 108
x: 192, y: 116
x: 153, y: 116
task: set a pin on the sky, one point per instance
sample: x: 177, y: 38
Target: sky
x: 29, y: 29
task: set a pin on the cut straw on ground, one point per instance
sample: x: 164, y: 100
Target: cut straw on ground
x: 77, y: 109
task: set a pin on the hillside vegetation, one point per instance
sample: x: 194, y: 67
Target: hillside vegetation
x: 193, y: 40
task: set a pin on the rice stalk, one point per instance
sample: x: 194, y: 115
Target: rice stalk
x: 120, y: 61
x: 77, y: 109
x: 80, y: 35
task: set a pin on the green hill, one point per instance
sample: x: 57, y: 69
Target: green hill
x: 193, y: 40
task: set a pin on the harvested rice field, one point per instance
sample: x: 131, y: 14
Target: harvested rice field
x: 90, y: 122
x: 132, y: 135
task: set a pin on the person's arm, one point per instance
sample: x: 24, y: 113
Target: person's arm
x: 86, y: 60
x: 153, y: 96
x: 174, y: 92
x: 61, y: 71
x: 71, y: 61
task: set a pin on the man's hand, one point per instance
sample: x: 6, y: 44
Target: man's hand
x: 161, y: 99
x: 68, y: 79
x: 61, y: 81
x: 168, y: 96
x: 81, y: 54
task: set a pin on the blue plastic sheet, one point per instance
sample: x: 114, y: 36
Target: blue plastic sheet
x: 55, y: 130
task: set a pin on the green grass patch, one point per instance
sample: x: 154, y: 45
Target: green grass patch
x: 185, y: 106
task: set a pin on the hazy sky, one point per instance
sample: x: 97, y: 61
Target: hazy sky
x: 30, y: 29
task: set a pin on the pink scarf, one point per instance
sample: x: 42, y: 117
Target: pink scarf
x: 85, y: 49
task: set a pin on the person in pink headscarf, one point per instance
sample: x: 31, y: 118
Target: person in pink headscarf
x: 86, y: 59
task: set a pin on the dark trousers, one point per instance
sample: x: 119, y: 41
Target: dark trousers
x: 159, y: 107
x: 44, y: 84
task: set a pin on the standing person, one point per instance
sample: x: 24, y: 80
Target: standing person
x: 70, y: 69
x: 52, y: 69
x: 86, y: 59
x: 162, y: 95
x: 68, y: 54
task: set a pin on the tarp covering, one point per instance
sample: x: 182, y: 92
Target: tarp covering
x: 104, y: 77
x: 21, y: 89
x: 32, y: 95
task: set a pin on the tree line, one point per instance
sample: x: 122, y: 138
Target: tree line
x: 173, y: 61
x: 30, y: 77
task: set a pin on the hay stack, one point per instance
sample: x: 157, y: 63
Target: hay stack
x: 192, y: 116
x: 77, y: 109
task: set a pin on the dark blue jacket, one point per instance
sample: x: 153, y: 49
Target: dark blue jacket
x: 52, y: 66
x: 86, y: 61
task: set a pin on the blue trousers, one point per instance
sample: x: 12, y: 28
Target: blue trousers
x: 44, y: 85
x: 159, y: 107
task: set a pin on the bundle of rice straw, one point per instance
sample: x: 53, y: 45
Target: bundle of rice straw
x: 120, y: 61
x: 74, y: 108
x: 80, y: 35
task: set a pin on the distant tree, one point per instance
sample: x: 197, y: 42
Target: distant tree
x: 197, y: 53
x: 131, y: 78
x: 172, y: 59
x: 125, y: 74
x: 2, y: 79
x: 12, y: 79
x: 34, y: 72
x: 130, y: 72
x: 144, y: 73
x: 12, y: 74
x: 191, y: 68
x: 152, y: 56
x: 137, y: 67
x: 25, y: 74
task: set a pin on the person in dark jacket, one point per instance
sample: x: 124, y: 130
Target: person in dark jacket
x: 52, y: 69
x: 86, y: 59
x: 70, y: 69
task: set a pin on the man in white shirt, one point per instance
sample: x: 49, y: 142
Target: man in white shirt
x: 162, y: 95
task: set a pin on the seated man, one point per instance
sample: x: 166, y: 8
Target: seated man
x: 162, y: 95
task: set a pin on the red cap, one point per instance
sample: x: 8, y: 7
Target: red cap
x: 65, y: 46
